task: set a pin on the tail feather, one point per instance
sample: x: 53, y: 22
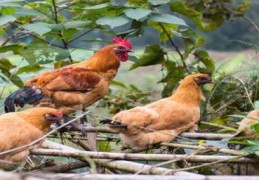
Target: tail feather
x: 26, y: 95
x: 114, y: 124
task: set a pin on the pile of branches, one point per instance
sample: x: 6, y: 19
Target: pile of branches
x: 170, y: 159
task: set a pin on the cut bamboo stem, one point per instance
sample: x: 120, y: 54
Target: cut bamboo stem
x: 142, y: 157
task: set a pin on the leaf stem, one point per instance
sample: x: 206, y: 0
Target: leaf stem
x: 176, y: 48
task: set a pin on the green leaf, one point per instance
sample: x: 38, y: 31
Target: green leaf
x: 181, y: 8
x: 204, y: 57
x: 153, y: 54
x: 5, y: 64
x: 158, y: 2
x: 191, y: 41
x: 166, y: 18
x: 6, y: 19
x: 113, y: 22
x: 27, y: 12
x: 15, y: 48
x: 7, y: 10
x: 9, y: 4
x: 118, y: 83
x: 137, y: 14
x: 76, y: 24
x: 29, y: 69
x: 38, y: 28
x: 40, y: 53
x: 138, y: 2
x: 99, y: 6
x: 255, y: 127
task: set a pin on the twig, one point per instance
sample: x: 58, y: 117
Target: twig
x: 207, y: 148
x: 252, y: 22
x: 247, y: 93
x: 79, y: 36
x: 55, y: 17
x: 176, y: 48
x: 220, y: 126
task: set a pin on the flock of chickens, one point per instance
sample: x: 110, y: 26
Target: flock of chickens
x: 59, y: 92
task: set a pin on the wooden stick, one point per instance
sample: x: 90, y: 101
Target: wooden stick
x: 208, y: 148
x: 142, y: 157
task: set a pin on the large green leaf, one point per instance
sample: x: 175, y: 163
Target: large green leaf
x: 180, y: 7
x: 113, y: 22
x: 137, y: 14
x: 6, y: 19
x: 153, y: 54
x: 5, y: 64
x: 38, y: 28
x: 167, y: 18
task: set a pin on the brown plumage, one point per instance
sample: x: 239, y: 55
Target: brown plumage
x: 252, y: 118
x: 21, y: 128
x: 76, y: 86
x: 162, y: 120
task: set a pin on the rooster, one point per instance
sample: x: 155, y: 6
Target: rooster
x: 164, y: 119
x: 73, y: 87
x: 19, y: 129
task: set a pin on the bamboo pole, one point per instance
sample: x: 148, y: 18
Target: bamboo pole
x: 142, y: 157
x: 120, y: 165
x: 207, y: 148
x: 211, y: 136
x: 76, y: 176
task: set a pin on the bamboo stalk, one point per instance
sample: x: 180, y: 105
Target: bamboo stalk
x: 131, y: 167
x: 207, y: 148
x: 76, y: 176
x: 120, y: 165
x: 143, y: 157
x: 211, y: 136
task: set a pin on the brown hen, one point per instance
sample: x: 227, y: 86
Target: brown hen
x: 162, y: 120
x: 22, y: 128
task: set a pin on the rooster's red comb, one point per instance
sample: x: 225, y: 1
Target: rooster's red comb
x: 122, y: 41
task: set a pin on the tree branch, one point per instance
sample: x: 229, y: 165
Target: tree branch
x: 55, y: 17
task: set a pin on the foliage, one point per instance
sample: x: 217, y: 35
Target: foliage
x: 48, y: 31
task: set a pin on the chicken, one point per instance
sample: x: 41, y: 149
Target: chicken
x: 22, y: 128
x: 252, y: 118
x: 73, y: 87
x: 164, y: 119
